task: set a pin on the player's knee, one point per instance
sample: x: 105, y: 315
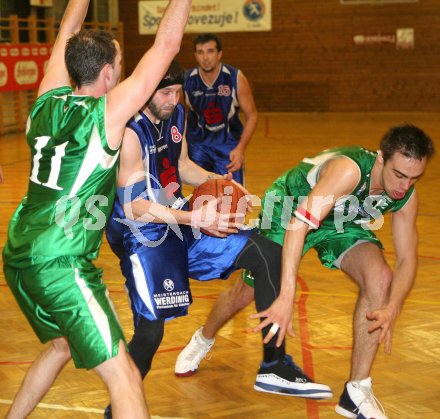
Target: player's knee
x: 379, y: 282
x: 150, y: 332
x: 386, y: 277
x: 242, y: 292
x: 124, y: 371
x: 61, y: 347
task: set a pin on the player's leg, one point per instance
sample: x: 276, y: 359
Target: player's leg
x: 220, y: 264
x: 44, y: 370
x: 366, y: 265
x: 143, y: 271
x: 278, y: 373
x: 147, y: 337
x: 95, y: 335
x: 143, y: 346
x: 39, y: 378
x: 146, y: 275
x: 124, y: 384
x: 229, y: 303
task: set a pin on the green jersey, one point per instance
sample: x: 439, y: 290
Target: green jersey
x: 72, y: 181
x: 359, y: 207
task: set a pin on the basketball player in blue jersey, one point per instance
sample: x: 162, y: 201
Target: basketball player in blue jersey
x: 332, y: 202
x: 154, y: 234
x: 74, y: 136
x: 215, y: 93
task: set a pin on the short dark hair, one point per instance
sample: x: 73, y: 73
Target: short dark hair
x: 408, y: 140
x: 206, y: 37
x: 87, y: 52
x: 174, y: 75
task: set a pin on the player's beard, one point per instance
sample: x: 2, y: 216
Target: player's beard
x: 161, y: 114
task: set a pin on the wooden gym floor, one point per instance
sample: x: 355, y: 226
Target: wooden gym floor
x: 407, y: 382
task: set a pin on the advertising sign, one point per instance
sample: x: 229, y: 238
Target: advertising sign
x: 22, y: 66
x: 211, y: 16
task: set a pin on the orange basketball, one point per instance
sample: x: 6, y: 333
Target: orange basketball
x: 233, y: 199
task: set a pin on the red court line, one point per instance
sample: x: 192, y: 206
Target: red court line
x: 266, y: 127
x: 312, y: 406
x: 177, y: 348
x: 16, y: 362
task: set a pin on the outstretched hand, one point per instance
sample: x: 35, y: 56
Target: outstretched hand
x: 279, y: 313
x: 383, y: 319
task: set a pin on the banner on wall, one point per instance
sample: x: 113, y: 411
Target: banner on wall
x: 403, y: 38
x: 211, y: 16
x: 376, y: 1
x: 43, y: 3
x: 22, y: 66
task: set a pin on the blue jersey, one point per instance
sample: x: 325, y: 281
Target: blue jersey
x: 213, y: 116
x: 161, y: 145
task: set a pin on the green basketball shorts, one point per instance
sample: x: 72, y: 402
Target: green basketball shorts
x: 66, y: 297
x: 330, y: 244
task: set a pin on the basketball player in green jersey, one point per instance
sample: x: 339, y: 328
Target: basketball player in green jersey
x: 331, y: 203
x: 56, y: 232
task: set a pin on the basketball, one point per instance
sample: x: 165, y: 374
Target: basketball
x: 233, y: 198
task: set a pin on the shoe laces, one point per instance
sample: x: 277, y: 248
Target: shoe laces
x: 200, y: 350
x: 288, y: 361
x: 369, y: 399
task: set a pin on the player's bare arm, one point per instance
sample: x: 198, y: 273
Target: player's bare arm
x: 247, y: 105
x: 56, y: 72
x: 129, y: 96
x: 405, y: 243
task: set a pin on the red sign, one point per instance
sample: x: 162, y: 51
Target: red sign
x: 22, y: 66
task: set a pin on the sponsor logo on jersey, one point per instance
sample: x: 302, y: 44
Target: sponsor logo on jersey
x: 172, y: 300
x: 168, y: 284
x: 213, y: 115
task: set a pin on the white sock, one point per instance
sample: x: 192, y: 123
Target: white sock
x: 203, y: 339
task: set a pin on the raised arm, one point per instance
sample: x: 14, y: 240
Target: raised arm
x: 247, y: 105
x: 129, y: 96
x: 56, y: 72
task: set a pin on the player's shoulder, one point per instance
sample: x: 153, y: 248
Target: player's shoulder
x: 180, y: 109
x: 58, y: 91
x: 229, y: 69
x: 191, y: 73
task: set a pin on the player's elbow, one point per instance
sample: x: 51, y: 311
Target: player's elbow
x: 169, y: 45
